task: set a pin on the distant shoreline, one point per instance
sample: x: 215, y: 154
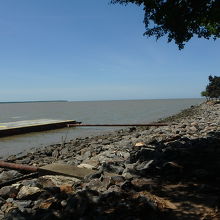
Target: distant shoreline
x: 107, y: 100
x: 32, y: 101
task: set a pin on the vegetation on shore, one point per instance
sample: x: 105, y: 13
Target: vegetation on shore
x: 213, y: 88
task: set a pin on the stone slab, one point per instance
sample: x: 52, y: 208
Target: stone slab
x: 67, y: 170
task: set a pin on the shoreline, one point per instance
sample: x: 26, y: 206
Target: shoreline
x: 145, y: 162
x: 183, y: 113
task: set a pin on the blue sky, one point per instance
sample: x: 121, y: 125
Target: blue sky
x: 91, y: 50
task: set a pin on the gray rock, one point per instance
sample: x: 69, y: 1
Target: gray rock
x: 95, y: 184
x: 144, y: 165
x: 7, y: 175
x: 111, y: 189
x: 10, y: 191
x: 31, y: 182
x: 125, y: 155
x: 86, y: 155
x: 113, y: 167
x: 106, y: 141
x: 55, y: 153
x: 26, y: 160
x: 64, y: 151
x: 108, y: 153
x: 117, y: 180
x: 63, y: 203
x: 2, y: 214
x: 128, y: 175
x: 22, y: 205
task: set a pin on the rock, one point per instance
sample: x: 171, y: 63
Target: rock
x: 88, y: 166
x: 173, y: 164
x: 52, y: 190
x: 49, y: 152
x: 10, y: 191
x: 169, y: 168
x: 92, y: 162
x: 67, y: 188
x: 55, y: 153
x: 144, y: 165
x: 141, y: 184
x: 2, y: 201
x: 31, y: 182
x: 128, y: 175
x: 117, y: 180
x: 155, y: 202
x: 95, y: 184
x: 91, y: 176
x: 8, y: 206
x: 112, y: 168
x: 26, y: 160
x: 86, y: 155
x: 145, y: 154
x: 12, y: 158
x: 47, y: 204
x: 193, y: 128
x: 112, y: 189
x: 108, y: 153
x: 22, y: 205
x: 64, y: 151
x: 7, y: 175
x: 140, y: 144
x: 63, y: 203
x: 132, y: 129
x: 127, y: 186
x: 1, y: 214
x: 125, y: 155
x: 28, y: 192
x: 106, y: 142
x: 56, y: 180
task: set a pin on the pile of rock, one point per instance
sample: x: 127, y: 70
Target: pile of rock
x: 129, y: 166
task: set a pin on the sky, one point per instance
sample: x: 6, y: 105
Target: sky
x: 92, y: 50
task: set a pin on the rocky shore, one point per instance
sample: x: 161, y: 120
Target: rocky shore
x: 170, y: 172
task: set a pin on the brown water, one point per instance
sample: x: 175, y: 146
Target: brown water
x: 132, y: 111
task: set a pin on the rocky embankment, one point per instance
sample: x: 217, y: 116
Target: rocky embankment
x: 170, y: 172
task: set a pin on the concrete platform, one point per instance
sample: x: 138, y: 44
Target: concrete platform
x: 67, y: 170
x: 21, y: 127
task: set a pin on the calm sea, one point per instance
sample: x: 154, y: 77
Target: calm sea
x: 132, y: 111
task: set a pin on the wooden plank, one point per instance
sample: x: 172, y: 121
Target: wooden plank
x: 119, y: 125
x: 21, y: 127
x: 66, y: 170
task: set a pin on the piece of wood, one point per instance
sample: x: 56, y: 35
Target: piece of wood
x: 21, y: 127
x: 67, y: 170
x: 54, y: 169
x: 117, y: 125
x: 17, y: 166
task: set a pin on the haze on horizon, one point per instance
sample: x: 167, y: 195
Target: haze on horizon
x: 50, y: 50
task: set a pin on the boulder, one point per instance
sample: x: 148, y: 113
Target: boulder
x: 10, y: 191
x: 56, y: 180
x: 7, y: 175
x: 28, y: 192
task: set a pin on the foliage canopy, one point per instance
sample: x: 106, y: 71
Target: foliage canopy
x: 180, y: 20
x: 213, y: 88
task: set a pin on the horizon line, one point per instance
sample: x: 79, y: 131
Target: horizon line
x: 98, y: 100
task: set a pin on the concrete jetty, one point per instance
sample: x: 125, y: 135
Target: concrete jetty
x: 21, y: 127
